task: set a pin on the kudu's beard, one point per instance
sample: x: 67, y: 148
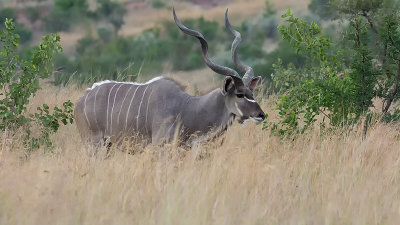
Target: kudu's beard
x: 245, y: 119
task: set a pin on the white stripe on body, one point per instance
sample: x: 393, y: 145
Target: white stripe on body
x: 84, y: 109
x: 122, y: 104
x: 140, y: 105
x: 135, y: 83
x: 170, y: 127
x: 112, y: 109
x: 147, y: 110
x: 127, y: 113
x: 94, y: 108
x: 108, y: 104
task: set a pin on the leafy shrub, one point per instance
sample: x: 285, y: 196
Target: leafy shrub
x: 114, y: 57
x: 24, y: 33
x: 85, y: 44
x: 337, y: 88
x: 322, y: 8
x: 7, y: 13
x: 157, y: 4
x: 314, y: 90
x: 105, y: 34
x: 75, y: 6
x: 33, y: 13
x: 208, y: 28
x: 113, y: 11
x: 20, y: 81
x: 269, y: 9
x: 64, y: 14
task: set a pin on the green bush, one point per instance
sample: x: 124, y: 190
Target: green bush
x: 339, y: 85
x: 157, y: 4
x: 316, y: 89
x: 269, y: 9
x: 7, y: 13
x: 105, y: 34
x: 75, y: 6
x: 33, y: 13
x: 10, y: 13
x: 322, y: 8
x: 25, y: 35
x: 194, y: 61
x: 65, y: 13
x: 57, y: 21
x: 113, y: 11
x: 117, y: 57
x: 85, y: 44
x: 19, y: 79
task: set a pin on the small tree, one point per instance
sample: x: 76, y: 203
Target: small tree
x: 65, y: 13
x: 19, y: 81
x: 338, y: 88
x: 113, y: 11
x: 324, y: 86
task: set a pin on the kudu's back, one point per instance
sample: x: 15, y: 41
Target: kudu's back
x: 114, y: 110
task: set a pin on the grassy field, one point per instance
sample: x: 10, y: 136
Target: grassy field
x: 251, y: 178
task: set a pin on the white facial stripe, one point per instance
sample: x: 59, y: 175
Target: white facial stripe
x: 250, y: 100
x: 237, y: 108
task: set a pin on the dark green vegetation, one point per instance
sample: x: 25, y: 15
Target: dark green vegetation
x: 67, y: 13
x: 24, y: 33
x: 19, y: 81
x: 104, y: 55
x: 341, y: 77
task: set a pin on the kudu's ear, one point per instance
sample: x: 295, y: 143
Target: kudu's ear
x: 254, y: 82
x: 229, y: 84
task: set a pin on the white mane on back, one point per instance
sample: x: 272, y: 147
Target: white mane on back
x: 120, y: 82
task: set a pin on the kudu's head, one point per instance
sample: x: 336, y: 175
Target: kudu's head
x: 237, y: 91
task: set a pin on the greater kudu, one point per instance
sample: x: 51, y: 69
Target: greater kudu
x: 160, y: 107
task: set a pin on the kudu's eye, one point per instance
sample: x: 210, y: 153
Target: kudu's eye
x: 240, y: 95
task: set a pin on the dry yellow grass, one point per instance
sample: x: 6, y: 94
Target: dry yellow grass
x: 251, y: 178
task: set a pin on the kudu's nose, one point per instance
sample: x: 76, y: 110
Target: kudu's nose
x: 262, y: 115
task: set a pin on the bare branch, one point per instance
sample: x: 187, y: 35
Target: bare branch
x: 395, y: 91
x: 371, y: 24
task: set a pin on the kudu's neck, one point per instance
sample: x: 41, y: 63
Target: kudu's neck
x: 207, y: 111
